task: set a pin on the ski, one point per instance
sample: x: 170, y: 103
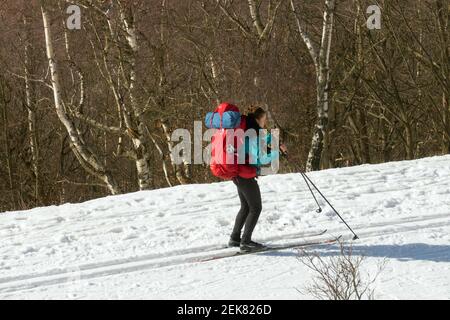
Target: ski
x: 272, y: 248
x: 304, y: 235
x: 300, y: 235
x: 310, y: 234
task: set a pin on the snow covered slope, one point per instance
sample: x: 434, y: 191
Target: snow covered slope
x: 145, y: 245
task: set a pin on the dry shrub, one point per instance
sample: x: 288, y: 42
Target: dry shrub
x: 339, y: 277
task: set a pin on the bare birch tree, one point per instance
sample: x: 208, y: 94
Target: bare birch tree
x: 88, y: 159
x: 321, y: 59
x: 31, y: 108
x: 134, y: 118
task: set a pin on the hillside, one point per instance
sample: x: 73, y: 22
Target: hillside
x: 145, y: 245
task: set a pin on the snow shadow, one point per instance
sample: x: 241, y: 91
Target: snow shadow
x: 405, y: 252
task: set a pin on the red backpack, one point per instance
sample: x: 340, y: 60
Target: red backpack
x: 222, y: 150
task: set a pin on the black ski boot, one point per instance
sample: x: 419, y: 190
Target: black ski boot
x: 251, y: 247
x: 234, y: 243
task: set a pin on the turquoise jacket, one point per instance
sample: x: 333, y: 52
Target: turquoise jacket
x: 257, y: 157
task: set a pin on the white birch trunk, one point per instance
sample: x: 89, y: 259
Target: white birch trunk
x: 161, y: 153
x: 87, y: 158
x: 32, y: 130
x: 179, y: 172
x: 263, y: 29
x: 140, y: 142
x: 321, y: 59
x: 256, y: 18
x: 215, y: 77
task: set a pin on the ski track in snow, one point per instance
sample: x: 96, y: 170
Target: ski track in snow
x: 148, y: 244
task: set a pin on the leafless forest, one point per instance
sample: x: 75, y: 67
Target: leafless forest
x: 89, y: 112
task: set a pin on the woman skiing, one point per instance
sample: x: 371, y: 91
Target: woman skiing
x: 228, y: 120
x: 248, y: 188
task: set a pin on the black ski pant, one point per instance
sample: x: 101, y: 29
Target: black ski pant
x: 251, y: 206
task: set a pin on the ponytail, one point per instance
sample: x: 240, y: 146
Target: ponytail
x: 257, y: 112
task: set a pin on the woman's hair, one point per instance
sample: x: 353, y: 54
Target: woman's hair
x: 257, y: 112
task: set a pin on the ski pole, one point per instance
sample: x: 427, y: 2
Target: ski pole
x: 314, y: 196
x: 307, y: 179
x: 337, y: 213
x: 319, y: 210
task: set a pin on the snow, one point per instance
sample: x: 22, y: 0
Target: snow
x: 147, y: 245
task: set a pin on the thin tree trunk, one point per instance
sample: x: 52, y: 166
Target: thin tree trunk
x: 140, y: 141
x: 164, y: 166
x: 86, y: 157
x: 215, y: 77
x: 443, y: 24
x: 179, y: 172
x: 256, y: 17
x: 446, y: 117
x: 409, y: 141
x: 363, y: 132
x: 364, y: 138
x: 321, y: 59
x: 323, y: 88
x: 7, y: 149
x: 31, y: 109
